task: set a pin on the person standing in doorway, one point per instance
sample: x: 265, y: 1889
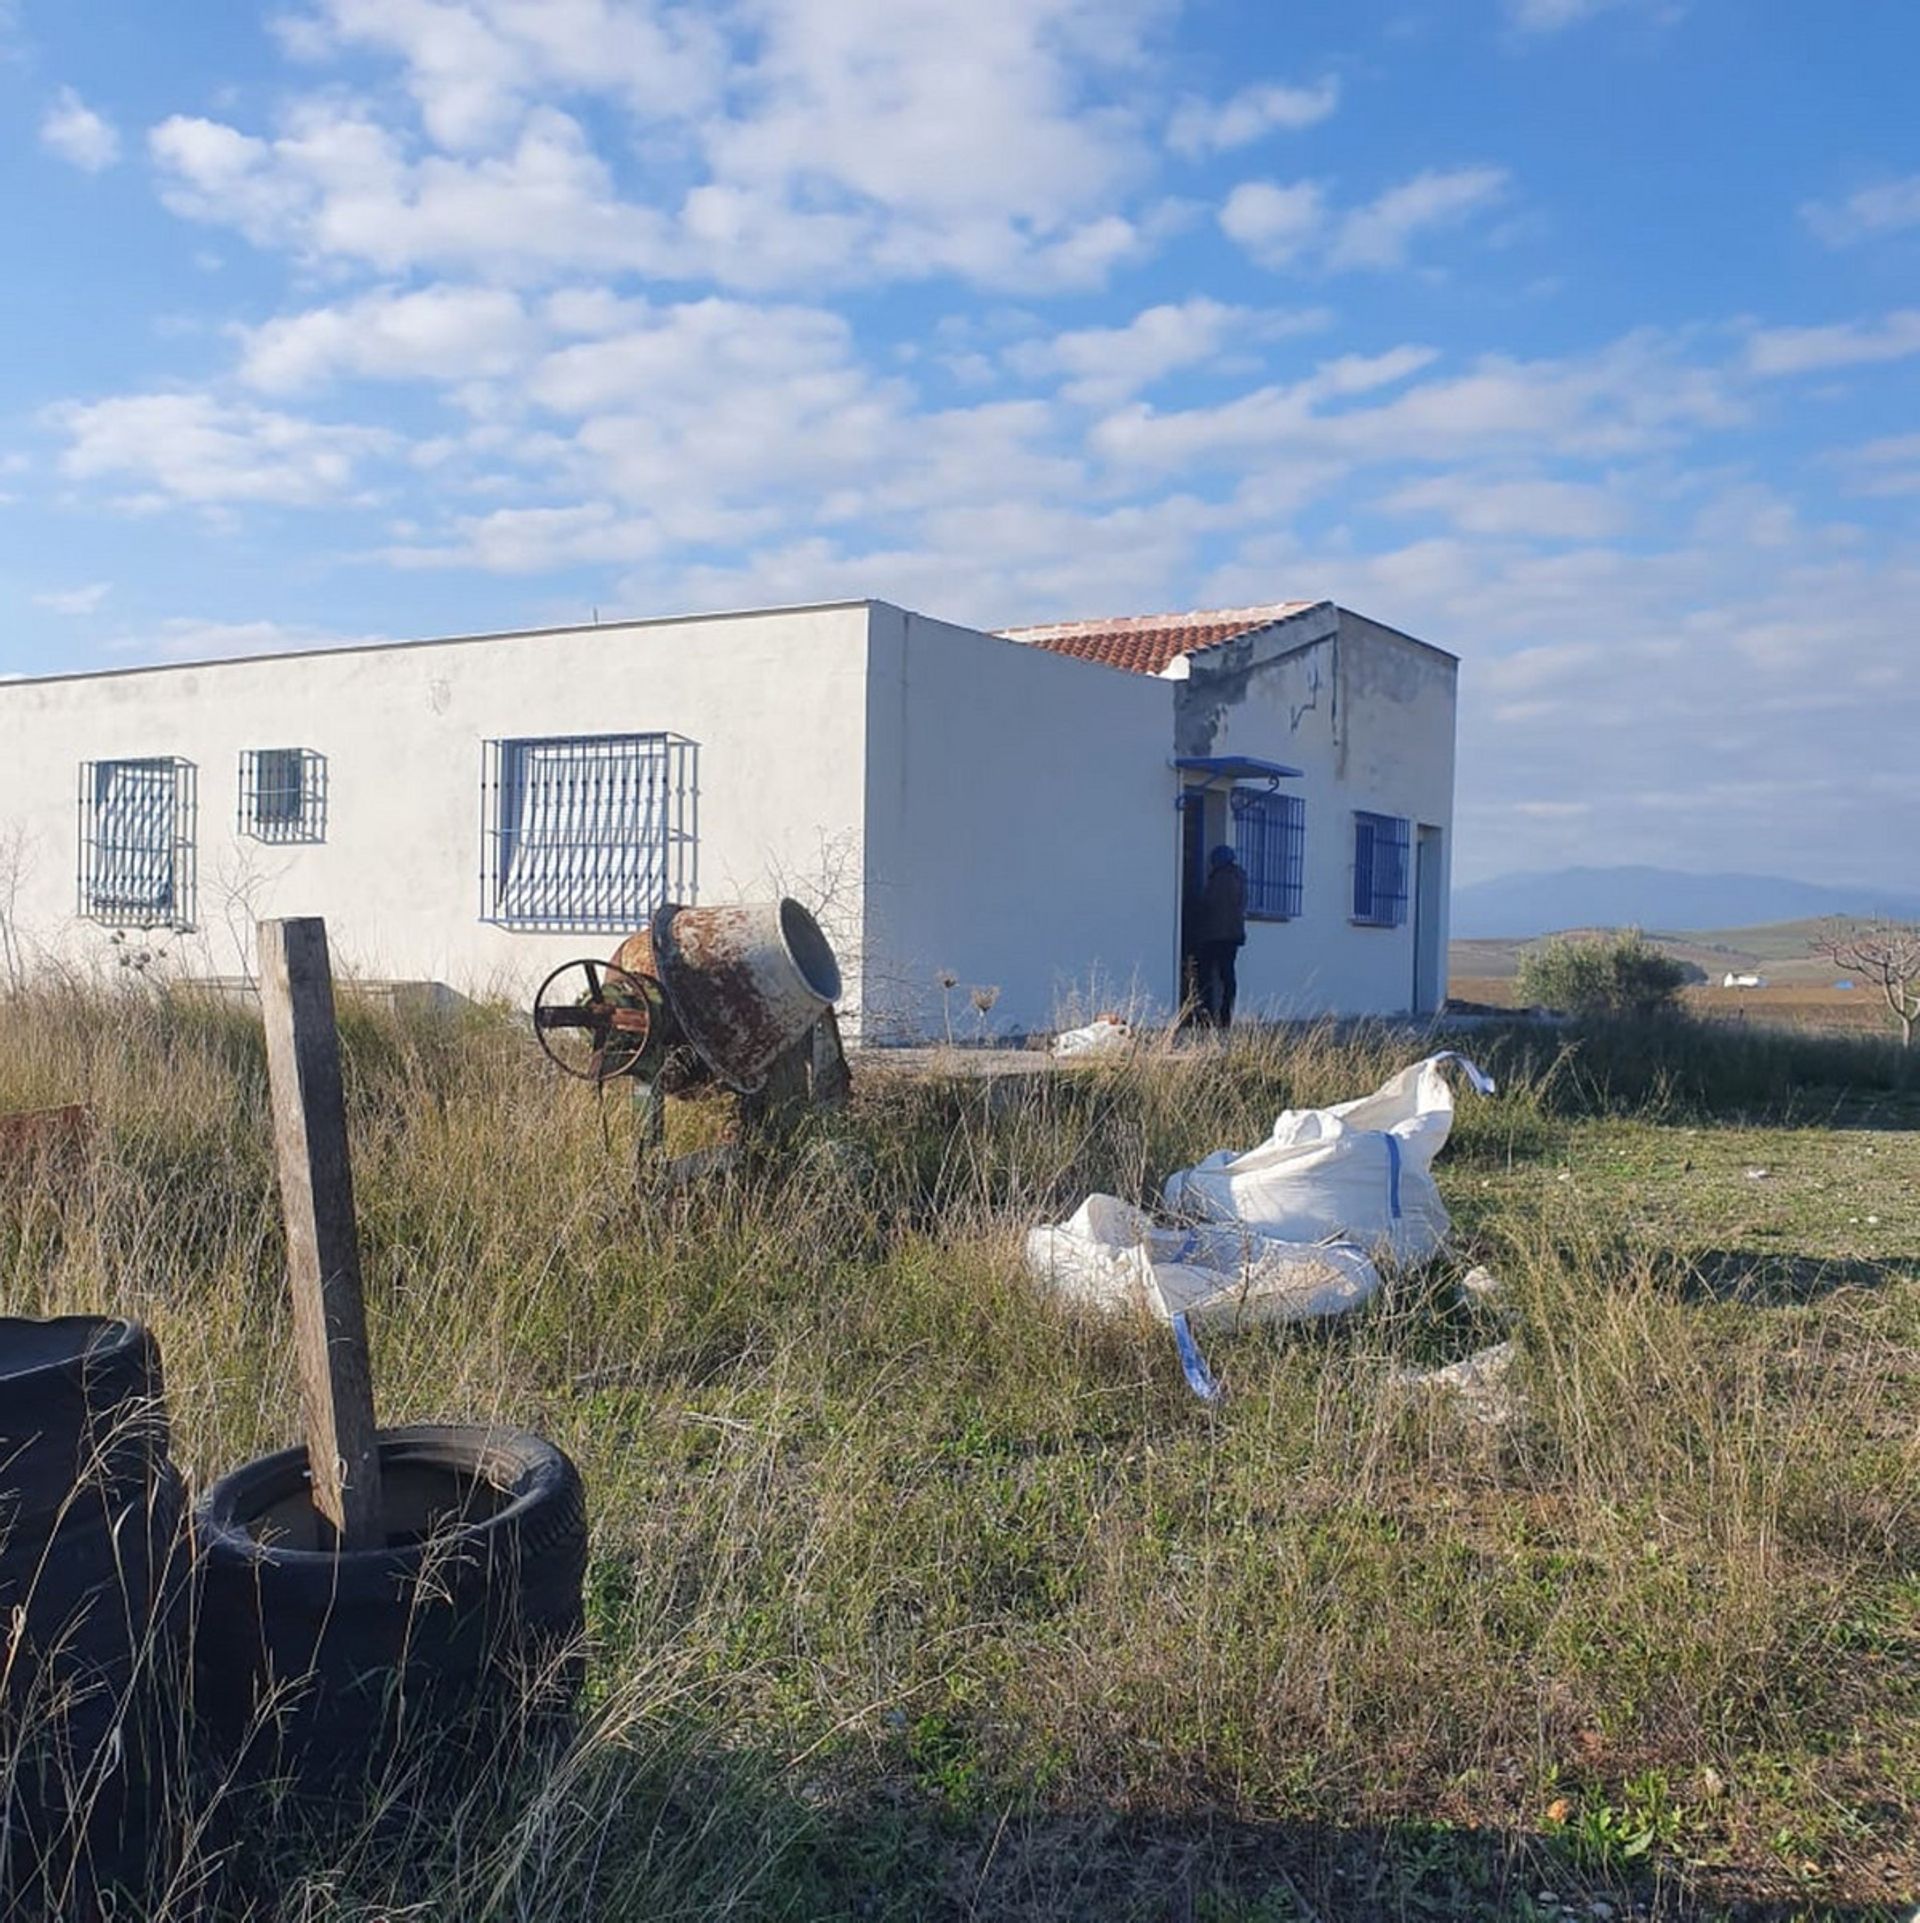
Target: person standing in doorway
x: 1222, y: 934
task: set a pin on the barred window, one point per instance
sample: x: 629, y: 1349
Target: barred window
x: 1270, y: 838
x: 136, y: 842
x: 587, y: 832
x: 1380, y: 844
x: 283, y: 794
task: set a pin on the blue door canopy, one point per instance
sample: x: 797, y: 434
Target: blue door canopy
x: 1236, y: 768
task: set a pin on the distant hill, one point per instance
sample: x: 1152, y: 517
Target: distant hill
x: 1655, y: 899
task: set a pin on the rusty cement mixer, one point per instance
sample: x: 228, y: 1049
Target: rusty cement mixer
x: 733, y: 1000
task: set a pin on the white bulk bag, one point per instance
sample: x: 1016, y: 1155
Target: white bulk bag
x: 1360, y: 1171
x: 1281, y: 1233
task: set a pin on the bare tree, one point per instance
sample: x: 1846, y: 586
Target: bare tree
x: 16, y: 858
x: 1885, y: 953
x: 243, y: 883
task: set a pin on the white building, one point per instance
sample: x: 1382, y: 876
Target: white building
x: 954, y: 804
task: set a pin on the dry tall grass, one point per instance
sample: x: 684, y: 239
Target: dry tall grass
x: 914, y: 1595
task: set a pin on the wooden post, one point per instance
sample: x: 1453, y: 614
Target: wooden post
x: 323, y: 1252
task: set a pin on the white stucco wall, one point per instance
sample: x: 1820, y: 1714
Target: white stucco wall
x: 945, y: 799
x: 776, y: 702
x: 1021, y: 829
x: 1367, y: 715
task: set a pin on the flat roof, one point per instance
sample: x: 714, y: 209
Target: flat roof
x: 440, y: 641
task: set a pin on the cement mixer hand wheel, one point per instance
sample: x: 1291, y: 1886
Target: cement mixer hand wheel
x: 596, y: 1028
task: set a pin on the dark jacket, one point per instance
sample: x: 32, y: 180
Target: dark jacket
x: 1223, y: 906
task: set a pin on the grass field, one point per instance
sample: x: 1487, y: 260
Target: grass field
x: 915, y: 1596
x: 1799, y: 989
x: 1815, y: 1007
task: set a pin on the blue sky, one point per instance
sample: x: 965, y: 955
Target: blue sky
x: 1578, y: 336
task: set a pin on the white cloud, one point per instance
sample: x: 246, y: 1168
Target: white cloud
x: 1200, y: 127
x: 337, y: 186
x: 532, y: 540
x: 195, y: 449
x: 445, y: 333
x: 474, y: 65
x: 1888, y: 467
x: 212, y: 172
x: 1105, y: 365
x: 1812, y: 350
x: 78, y: 135
x: 1536, y: 508
x: 820, y: 140
x: 1551, y: 16
x: 991, y: 564
x: 1637, y: 394
x: 707, y: 422
x: 693, y: 354
x: 1274, y: 224
x: 1380, y: 234
x: 948, y: 108
x: 1890, y: 207
x: 1279, y: 226
x: 75, y: 600
x: 1891, y: 447
x: 1702, y: 695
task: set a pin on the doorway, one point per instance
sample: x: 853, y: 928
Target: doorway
x: 1429, y: 919
x: 1193, y: 875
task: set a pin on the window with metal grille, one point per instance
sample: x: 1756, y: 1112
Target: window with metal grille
x: 1270, y: 838
x: 587, y: 831
x: 136, y: 842
x: 1380, y: 844
x: 283, y: 794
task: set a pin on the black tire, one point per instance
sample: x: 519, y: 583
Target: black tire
x: 93, y: 1597
x: 464, y: 1630
x: 82, y: 1404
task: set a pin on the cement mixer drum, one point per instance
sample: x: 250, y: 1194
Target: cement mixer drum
x: 745, y: 982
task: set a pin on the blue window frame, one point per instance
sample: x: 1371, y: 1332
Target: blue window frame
x: 283, y: 794
x: 137, y: 842
x: 1380, y: 846
x: 587, y: 832
x: 1270, y: 837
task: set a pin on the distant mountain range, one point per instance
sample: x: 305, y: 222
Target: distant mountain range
x: 1656, y: 899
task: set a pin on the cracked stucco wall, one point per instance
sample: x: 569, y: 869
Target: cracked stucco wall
x: 1367, y: 715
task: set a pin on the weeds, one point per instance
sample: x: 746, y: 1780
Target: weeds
x: 913, y: 1595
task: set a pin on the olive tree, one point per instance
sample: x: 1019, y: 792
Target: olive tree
x: 1600, y: 975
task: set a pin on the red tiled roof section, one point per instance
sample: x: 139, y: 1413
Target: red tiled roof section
x: 1151, y: 643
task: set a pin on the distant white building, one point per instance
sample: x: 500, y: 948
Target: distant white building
x: 1021, y: 812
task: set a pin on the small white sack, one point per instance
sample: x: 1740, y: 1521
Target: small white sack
x: 1360, y: 1171
x: 1102, y: 1037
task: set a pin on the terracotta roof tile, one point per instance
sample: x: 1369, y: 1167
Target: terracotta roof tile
x: 1151, y: 643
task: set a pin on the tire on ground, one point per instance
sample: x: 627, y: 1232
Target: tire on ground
x: 457, y: 1638
x: 81, y: 1405
x: 92, y: 1594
